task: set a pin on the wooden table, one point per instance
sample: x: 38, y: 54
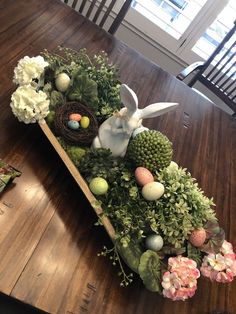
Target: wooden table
x: 48, y: 241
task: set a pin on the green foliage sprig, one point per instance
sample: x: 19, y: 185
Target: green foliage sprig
x: 115, y: 258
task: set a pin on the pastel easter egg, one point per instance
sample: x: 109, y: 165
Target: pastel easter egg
x: 139, y: 130
x: 62, y: 82
x: 73, y: 125
x: 173, y: 165
x: 198, y: 237
x: 75, y: 116
x: 143, y: 176
x: 153, y: 191
x: 50, y: 118
x: 154, y: 242
x: 98, y: 186
x: 84, y: 122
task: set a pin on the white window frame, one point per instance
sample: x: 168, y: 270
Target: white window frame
x: 181, y: 48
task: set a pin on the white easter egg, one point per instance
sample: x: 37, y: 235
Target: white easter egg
x: 62, y: 82
x: 139, y: 130
x: 173, y: 165
x: 154, y: 242
x: 153, y: 191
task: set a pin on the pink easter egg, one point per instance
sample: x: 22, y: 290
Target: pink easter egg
x: 198, y: 237
x: 143, y: 176
x: 75, y: 116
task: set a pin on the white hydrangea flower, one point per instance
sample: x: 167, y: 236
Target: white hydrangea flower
x: 29, y: 105
x: 28, y: 69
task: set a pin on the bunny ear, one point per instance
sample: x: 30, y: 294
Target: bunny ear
x: 128, y: 98
x: 157, y: 109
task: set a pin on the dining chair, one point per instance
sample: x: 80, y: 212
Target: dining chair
x: 218, y: 72
x: 99, y: 10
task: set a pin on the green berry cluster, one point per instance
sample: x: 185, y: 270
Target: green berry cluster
x: 151, y: 149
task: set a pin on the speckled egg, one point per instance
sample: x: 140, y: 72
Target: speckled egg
x: 154, y: 242
x: 73, y: 125
x: 98, y: 186
x: 153, y: 191
x: 143, y: 176
x: 198, y: 237
x: 139, y: 130
x: 75, y: 116
x: 84, y: 122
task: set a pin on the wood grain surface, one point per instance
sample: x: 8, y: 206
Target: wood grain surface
x: 48, y: 241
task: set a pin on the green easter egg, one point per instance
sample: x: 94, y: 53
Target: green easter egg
x: 50, y: 118
x: 98, y: 186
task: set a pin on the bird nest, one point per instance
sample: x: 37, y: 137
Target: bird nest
x: 80, y: 136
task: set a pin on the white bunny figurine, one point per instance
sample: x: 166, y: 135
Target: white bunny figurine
x: 115, y: 132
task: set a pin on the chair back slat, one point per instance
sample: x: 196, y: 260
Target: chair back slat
x: 74, y: 3
x: 90, y: 9
x: 82, y: 5
x: 105, y: 16
x: 227, y: 89
x: 120, y: 16
x: 218, y: 72
x: 226, y: 75
x: 220, y: 62
x: 234, y: 98
x: 233, y: 90
x: 98, y: 11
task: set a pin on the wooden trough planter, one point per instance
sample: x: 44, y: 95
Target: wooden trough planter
x: 78, y: 178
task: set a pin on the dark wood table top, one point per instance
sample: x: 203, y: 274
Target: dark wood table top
x: 48, y: 241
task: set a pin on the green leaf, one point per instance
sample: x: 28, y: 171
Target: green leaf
x: 150, y: 270
x: 84, y: 89
x: 131, y: 254
x: 194, y: 253
x: 56, y: 98
x: 215, y: 242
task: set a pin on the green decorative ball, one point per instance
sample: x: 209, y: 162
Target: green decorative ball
x: 150, y: 149
x: 98, y: 186
x: 50, y: 118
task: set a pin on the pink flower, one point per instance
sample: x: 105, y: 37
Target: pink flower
x: 226, y: 247
x: 220, y: 267
x: 217, y: 262
x: 180, y: 282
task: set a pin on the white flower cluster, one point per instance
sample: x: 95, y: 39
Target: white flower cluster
x: 28, y: 69
x: 28, y: 104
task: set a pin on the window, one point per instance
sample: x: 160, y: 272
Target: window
x: 173, y: 16
x: 216, y: 32
x: 189, y: 29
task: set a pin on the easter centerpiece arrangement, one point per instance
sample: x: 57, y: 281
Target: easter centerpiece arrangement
x: 165, y: 229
